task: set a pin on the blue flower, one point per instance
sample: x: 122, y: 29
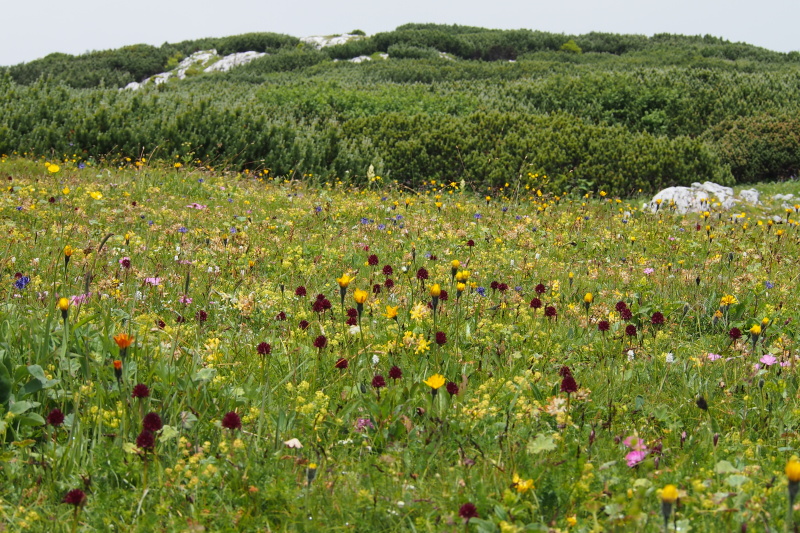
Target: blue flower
x: 364, y: 220
x: 182, y: 229
x: 22, y: 282
x: 233, y: 230
x: 81, y: 165
x: 769, y: 284
x: 318, y: 209
x: 381, y: 227
x: 478, y: 216
x: 481, y: 291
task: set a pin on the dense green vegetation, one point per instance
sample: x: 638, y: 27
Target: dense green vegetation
x: 619, y: 112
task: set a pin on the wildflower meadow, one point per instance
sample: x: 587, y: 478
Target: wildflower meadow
x: 184, y: 349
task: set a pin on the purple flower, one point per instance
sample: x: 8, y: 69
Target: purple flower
x: 363, y: 423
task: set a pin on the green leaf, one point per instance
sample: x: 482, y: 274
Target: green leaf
x: 168, y: 433
x: 725, y: 467
x: 737, y: 480
x: 204, y: 374
x: 17, y: 408
x: 31, y: 419
x: 542, y: 443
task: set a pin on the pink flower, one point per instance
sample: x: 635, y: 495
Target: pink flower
x: 197, y: 206
x: 185, y: 300
x: 634, y: 443
x: 648, y: 271
x: 635, y: 457
x: 785, y: 363
x: 79, y: 299
x: 768, y: 359
x: 713, y: 356
x: 153, y: 281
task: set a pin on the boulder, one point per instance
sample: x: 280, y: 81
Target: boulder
x: 751, y: 196
x: 700, y: 197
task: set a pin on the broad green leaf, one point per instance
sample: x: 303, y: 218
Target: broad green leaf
x: 542, y: 443
x: 725, y: 467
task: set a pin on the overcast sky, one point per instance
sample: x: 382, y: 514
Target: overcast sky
x: 35, y: 28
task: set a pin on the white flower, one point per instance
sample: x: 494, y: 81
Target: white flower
x: 670, y: 358
x: 293, y: 443
x: 631, y: 355
x: 354, y: 330
x: 375, y: 359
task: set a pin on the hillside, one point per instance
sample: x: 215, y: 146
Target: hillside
x: 619, y: 112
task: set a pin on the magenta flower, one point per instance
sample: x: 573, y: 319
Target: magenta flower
x: 185, y: 300
x: 713, y: 356
x: 635, y: 457
x: 197, y: 206
x: 153, y: 281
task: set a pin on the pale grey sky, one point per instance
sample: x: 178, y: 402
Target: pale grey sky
x: 35, y: 28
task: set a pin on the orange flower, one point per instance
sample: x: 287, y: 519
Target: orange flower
x: 117, y: 365
x: 123, y: 340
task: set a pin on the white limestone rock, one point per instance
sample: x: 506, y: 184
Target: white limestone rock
x: 751, y: 196
x: 783, y: 197
x: 695, y: 199
x: 233, y: 60
x: 717, y: 193
x: 322, y: 41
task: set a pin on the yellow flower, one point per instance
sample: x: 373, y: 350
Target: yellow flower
x: 65, y: 190
x: 765, y: 321
x: 53, y: 168
x: 522, y: 485
x: 67, y: 251
x: 455, y: 263
x: 572, y: 520
x: 435, y: 290
x: 728, y: 300
x: 755, y: 330
x: 360, y: 296
x: 63, y: 304
x: 422, y: 345
x: 419, y: 311
x: 460, y: 287
x: 391, y: 312
x: 588, y: 298
x: 97, y: 195
x: 344, y: 281
x: 177, y: 165
x: 435, y: 381
x: 793, y: 470
x: 669, y: 494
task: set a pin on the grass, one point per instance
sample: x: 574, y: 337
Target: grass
x: 540, y: 420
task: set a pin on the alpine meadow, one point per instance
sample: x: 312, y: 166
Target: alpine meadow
x: 412, y: 281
